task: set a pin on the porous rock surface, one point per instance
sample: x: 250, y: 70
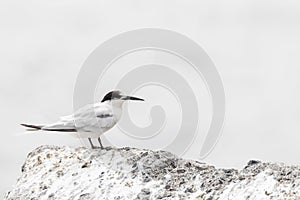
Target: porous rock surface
x: 52, y: 172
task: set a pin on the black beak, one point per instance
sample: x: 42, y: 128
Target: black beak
x: 133, y: 98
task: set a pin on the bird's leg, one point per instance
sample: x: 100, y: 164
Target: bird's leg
x: 90, y: 140
x: 99, y: 140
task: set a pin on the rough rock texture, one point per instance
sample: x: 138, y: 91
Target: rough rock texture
x: 52, y: 172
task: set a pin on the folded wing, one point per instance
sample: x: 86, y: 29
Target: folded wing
x: 91, y: 118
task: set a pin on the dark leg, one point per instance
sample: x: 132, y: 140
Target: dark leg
x: 90, y: 140
x: 99, y: 140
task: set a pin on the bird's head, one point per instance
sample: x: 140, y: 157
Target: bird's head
x: 116, y: 97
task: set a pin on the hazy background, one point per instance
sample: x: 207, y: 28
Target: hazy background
x: 255, y: 45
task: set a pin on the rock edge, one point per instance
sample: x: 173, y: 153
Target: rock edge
x: 52, y: 172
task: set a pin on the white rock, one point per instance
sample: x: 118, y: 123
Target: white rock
x: 52, y: 172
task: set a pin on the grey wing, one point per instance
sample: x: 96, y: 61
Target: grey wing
x: 64, y: 124
x: 67, y: 122
x: 94, y: 119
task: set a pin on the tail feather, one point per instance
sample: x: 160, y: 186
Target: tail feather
x: 40, y: 127
x: 60, y: 129
x: 33, y: 127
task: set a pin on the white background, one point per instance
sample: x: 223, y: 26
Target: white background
x: 255, y: 45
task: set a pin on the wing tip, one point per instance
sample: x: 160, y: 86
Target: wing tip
x: 34, y: 127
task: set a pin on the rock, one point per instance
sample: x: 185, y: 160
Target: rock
x: 253, y: 162
x: 51, y: 172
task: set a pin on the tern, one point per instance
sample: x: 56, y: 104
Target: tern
x: 90, y: 121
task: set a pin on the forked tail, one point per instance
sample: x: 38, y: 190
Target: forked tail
x: 32, y: 127
x: 48, y: 128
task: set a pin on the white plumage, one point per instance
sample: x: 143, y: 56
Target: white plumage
x: 90, y: 121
